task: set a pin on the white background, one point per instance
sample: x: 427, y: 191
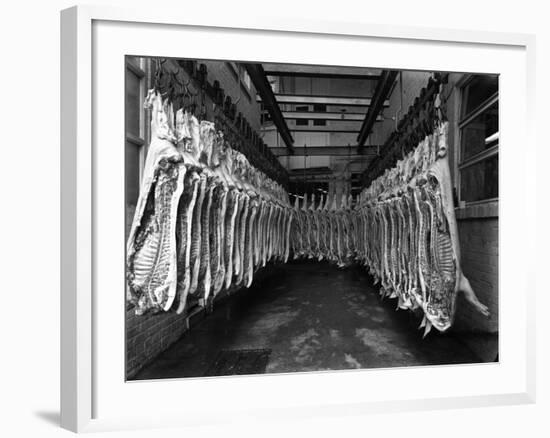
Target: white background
x: 30, y: 220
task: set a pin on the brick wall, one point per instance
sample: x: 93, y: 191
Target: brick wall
x: 479, y: 251
x: 149, y: 335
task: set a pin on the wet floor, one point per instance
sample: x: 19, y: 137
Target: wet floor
x: 308, y: 316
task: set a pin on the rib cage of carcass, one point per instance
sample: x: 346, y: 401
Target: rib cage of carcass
x: 408, y: 235
x: 205, y: 219
x: 324, y: 231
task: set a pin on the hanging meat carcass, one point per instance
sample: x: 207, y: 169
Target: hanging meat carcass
x: 324, y: 230
x: 413, y: 247
x: 151, y: 248
x: 205, y: 218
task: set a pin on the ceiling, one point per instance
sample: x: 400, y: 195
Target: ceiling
x: 339, y: 100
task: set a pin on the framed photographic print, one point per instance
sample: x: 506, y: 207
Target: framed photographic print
x: 262, y: 208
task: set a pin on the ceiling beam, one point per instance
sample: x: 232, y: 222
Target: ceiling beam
x: 332, y: 116
x: 329, y: 129
x: 311, y: 170
x: 306, y: 99
x: 292, y: 74
x: 258, y: 77
x: 335, y: 151
x: 321, y: 71
x: 401, y: 141
x: 381, y: 93
x: 316, y: 129
x: 300, y: 178
x: 294, y: 115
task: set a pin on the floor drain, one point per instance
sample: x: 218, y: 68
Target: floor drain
x: 239, y: 362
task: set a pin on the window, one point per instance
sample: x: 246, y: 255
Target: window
x: 243, y: 80
x: 479, y: 135
x: 265, y: 117
x: 135, y: 133
x: 301, y: 121
x: 319, y: 108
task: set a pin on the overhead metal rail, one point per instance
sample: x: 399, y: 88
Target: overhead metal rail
x: 258, y: 77
x: 383, y: 87
x: 336, y: 151
x: 306, y: 99
x: 414, y: 126
x: 321, y: 115
x: 326, y: 129
x: 314, y: 71
x: 317, y: 129
x: 310, y: 171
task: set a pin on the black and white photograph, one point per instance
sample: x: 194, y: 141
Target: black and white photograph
x: 275, y: 219
x: 287, y: 218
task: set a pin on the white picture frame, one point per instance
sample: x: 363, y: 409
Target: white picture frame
x: 87, y: 403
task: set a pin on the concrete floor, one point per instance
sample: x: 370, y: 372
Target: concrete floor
x: 315, y: 317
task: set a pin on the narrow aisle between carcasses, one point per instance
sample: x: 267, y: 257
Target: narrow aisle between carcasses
x: 308, y: 316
